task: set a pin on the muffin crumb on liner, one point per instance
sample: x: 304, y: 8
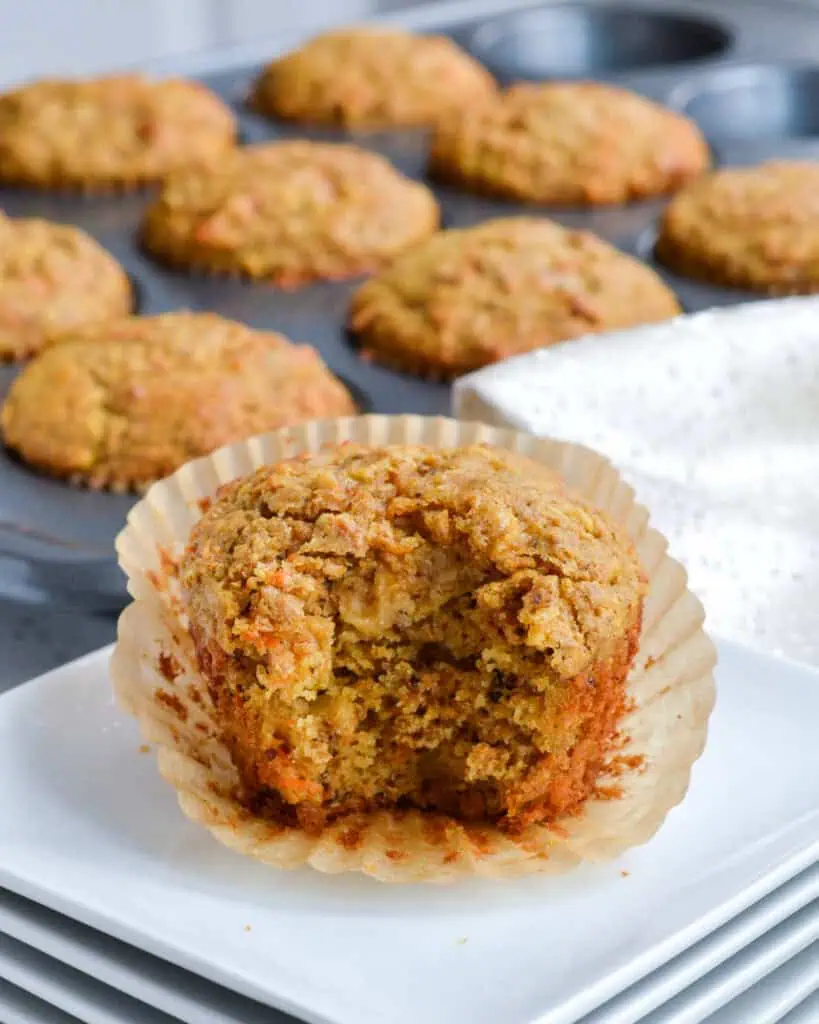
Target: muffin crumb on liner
x: 156, y: 679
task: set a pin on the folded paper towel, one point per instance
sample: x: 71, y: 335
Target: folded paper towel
x: 714, y: 420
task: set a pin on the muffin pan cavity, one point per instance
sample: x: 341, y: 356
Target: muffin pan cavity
x: 591, y: 41
x: 762, y: 102
x: 753, y: 113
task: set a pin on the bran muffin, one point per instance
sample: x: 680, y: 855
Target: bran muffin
x: 372, y: 78
x: 289, y: 213
x: 569, y: 143
x: 120, y: 405
x: 469, y: 297
x: 405, y: 627
x: 751, y: 228
x: 114, y: 132
x: 53, y: 277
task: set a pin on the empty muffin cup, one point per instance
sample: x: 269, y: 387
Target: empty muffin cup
x: 585, y: 41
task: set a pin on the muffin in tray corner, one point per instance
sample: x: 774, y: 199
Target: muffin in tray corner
x: 111, y: 133
x: 403, y: 627
x: 368, y: 78
x: 469, y: 297
x: 121, y: 404
x: 747, y: 227
x: 289, y: 213
x: 53, y: 277
x: 569, y: 144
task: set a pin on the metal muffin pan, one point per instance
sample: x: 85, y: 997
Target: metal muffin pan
x: 582, y: 41
x: 748, y: 73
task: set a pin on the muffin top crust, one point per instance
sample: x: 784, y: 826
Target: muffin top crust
x: 751, y: 227
x: 53, y: 277
x: 121, y: 404
x: 355, y: 502
x: 290, y: 212
x: 468, y: 297
x: 372, y: 78
x: 570, y: 144
x: 116, y: 131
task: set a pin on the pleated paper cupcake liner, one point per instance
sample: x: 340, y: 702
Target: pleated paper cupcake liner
x: 155, y: 675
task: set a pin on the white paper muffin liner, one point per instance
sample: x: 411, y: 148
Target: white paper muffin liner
x: 156, y: 679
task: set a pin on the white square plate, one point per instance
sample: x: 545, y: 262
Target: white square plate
x: 88, y: 828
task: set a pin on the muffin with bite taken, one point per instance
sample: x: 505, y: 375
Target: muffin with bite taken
x: 385, y: 628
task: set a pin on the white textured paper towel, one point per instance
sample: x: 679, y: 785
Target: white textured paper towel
x: 714, y: 419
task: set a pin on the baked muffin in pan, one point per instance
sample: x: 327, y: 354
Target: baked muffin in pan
x: 569, y: 144
x: 473, y: 296
x: 112, y: 133
x: 289, y: 213
x: 369, y: 78
x: 53, y: 277
x: 121, y: 404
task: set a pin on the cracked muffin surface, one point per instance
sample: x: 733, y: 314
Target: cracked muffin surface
x: 290, y: 213
x: 117, y: 131
x: 372, y: 78
x: 750, y: 227
x: 569, y: 144
x: 403, y: 627
x: 53, y: 277
x: 122, y: 404
x: 469, y: 297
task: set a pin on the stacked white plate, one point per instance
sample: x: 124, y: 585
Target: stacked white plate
x: 115, y: 908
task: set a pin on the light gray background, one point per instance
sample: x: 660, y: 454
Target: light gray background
x: 40, y: 37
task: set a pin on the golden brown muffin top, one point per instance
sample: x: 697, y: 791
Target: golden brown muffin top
x: 122, y: 404
x: 53, y: 277
x: 109, y: 131
x: 283, y: 560
x: 291, y: 211
x: 570, y: 143
x: 370, y: 78
x: 751, y: 226
x: 468, y: 297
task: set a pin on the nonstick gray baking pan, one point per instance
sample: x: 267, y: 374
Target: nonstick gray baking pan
x: 747, y: 72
